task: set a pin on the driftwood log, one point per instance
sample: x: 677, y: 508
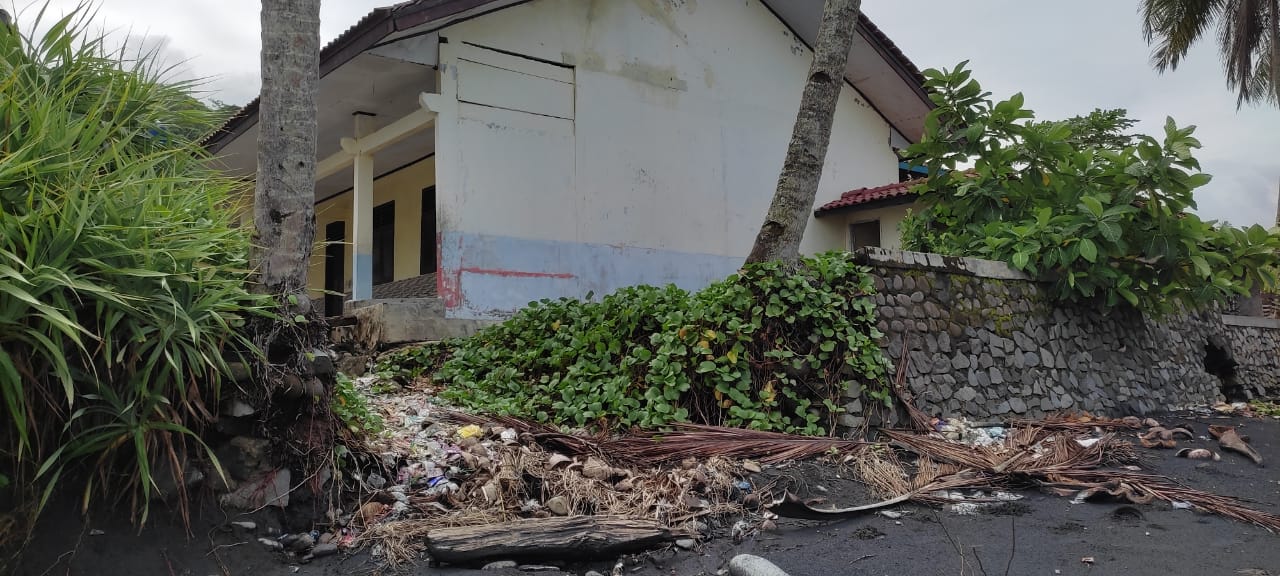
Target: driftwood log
x: 554, y: 538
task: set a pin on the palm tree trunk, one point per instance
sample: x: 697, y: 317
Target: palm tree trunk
x: 284, y: 198
x: 1273, y: 57
x: 779, y: 237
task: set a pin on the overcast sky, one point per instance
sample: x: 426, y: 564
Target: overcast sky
x: 1066, y: 57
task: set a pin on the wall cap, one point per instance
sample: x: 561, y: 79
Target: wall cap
x: 1252, y: 321
x: 937, y: 262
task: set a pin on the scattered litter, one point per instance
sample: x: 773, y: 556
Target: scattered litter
x: 271, y: 543
x: 963, y: 508
x: 890, y: 514
x: 469, y: 431
x: 1179, y: 505
x: 96, y: 532
x: 1087, y: 560
x: 246, y: 525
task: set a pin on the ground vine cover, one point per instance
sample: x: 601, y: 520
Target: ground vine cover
x: 770, y: 348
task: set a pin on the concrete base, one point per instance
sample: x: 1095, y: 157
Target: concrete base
x: 384, y: 323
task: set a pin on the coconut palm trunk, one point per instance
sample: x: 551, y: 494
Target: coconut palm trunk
x: 779, y: 236
x: 284, y: 199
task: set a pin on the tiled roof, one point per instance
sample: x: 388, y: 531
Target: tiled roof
x: 866, y: 195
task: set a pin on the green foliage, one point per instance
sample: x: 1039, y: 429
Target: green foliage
x: 1099, y: 129
x: 352, y: 408
x: 770, y: 348
x: 1102, y: 223
x: 122, y: 278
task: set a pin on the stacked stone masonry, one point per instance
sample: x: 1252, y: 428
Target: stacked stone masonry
x: 983, y: 341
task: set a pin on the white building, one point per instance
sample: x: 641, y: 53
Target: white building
x: 497, y: 152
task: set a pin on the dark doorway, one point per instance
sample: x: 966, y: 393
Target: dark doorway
x: 1218, y: 362
x: 335, y: 233
x: 384, y: 243
x: 428, y: 265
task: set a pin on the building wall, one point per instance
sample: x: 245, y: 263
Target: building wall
x: 641, y: 143
x: 890, y: 218
x: 981, y: 340
x: 404, y: 186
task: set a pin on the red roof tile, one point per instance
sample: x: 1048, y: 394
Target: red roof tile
x: 866, y: 195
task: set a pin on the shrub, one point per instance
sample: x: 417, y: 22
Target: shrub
x: 770, y: 348
x: 122, y: 278
x: 1106, y: 217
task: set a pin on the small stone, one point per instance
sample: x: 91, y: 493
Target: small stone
x: 750, y: 466
x: 538, y: 568
x: 500, y: 565
x: 271, y: 543
x: 687, y: 543
x: 558, y: 506
x: 960, y: 361
x: 298, y: 542
x: 322, y: 550
x: 245, y: 524
x: 748, y: 565
x: 592, y: 573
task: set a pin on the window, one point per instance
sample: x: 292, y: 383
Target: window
x: 384, y: 243
x: 428, y: 254
x: 864, y: 234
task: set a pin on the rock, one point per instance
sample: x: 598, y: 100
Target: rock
x: 966, y: 394
x: 267, y: 489
x: 538, y: 568
x: 271, y: 543
x: 239, y: 372
x: 750, y: 466
x: 321, y: 363
x: 246, y: 525
x: 748, y: 565
x: 237, y: 408
x: 558, y: 505
x: 592, y: 573
x: 687, y: 543
x: 500, y: 565
x: 322, y: 550
x: 298, y: 542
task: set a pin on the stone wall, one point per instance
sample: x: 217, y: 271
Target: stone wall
x: 1255, y: 343
x: 982, y: 340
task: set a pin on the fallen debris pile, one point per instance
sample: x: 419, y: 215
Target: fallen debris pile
x: 466, y: 488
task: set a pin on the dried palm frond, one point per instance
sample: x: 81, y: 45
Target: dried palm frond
x: 1080, y: 422
x: 1160, y: 487
x: 698, y: 441
x: 880, y: 468
x: 919, y: 420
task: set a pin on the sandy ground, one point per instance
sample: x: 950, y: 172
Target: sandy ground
x: 1039, y: 534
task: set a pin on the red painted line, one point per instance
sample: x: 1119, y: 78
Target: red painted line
x: 514, y: 273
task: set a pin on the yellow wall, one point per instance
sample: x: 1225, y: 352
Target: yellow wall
x: 404, y: 186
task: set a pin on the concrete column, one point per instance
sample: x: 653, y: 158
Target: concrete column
x: 362, y: 217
